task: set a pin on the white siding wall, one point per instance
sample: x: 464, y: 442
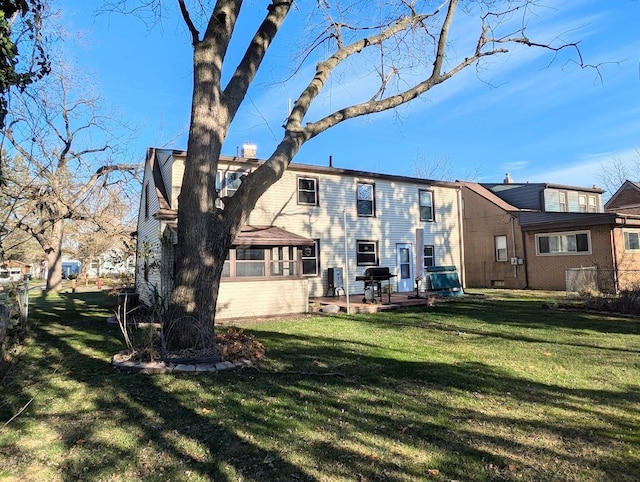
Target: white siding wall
x: 396, y: 220
x: 148, y: 235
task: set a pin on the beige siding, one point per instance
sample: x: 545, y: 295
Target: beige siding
x: 396, y: 220
x: 239, y: 299
x: 397, y: 216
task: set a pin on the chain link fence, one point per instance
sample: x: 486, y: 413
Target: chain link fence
x: 597, y: 280
x: 14, y: 311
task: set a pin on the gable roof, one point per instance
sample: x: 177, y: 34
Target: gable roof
x: 490, y: 196
x: 158, y: 180
x: 626, y: 187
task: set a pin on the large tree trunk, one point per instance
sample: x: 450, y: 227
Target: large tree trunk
x: 54, y: 257
x: 203, y: 233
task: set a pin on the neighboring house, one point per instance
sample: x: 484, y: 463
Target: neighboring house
x: 14, y: 270
x: 114, y: 262
x: 295, y: 237
x: 625, y: 200
x: 528, y: 235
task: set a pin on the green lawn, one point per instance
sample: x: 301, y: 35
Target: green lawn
x: 492, y: 387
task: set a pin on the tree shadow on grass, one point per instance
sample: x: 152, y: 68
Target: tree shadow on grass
x: 332, y: 409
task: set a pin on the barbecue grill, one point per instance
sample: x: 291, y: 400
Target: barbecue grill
x: 373, y: 278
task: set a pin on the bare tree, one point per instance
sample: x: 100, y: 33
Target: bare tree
x: 614, y: 172
x: 405, y: 44
x: 62, y: 153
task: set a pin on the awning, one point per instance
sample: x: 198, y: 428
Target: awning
x: 269, y: 236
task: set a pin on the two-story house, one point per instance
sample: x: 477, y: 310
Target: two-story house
x: 533, y: 235
x: 315, y: 221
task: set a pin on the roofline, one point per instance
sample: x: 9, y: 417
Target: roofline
x: 546, y: 185
x: 619, y: 191
x: 316, y: 169
x: 599, y: 219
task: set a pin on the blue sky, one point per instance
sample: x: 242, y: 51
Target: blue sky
x: 540, y: 123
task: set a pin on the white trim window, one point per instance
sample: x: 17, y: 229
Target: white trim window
x: 501, y: 248
x: 631, y: 241
x: 571, y: 243
x: 426, y: 205
x: 582, y: 203
x: 429, y: 256
x: 308, y: 191
x: 367, y: 253
x: 366, y: 199
x: 228, y: 182
x: 310, y: 259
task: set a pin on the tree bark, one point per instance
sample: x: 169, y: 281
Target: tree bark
x: 54, y: 257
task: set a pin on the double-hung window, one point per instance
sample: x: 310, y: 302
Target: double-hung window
x: 308, y: 191
x: 562, y: 201
x: 593, y: 204
x: 310, y: 259
x: 426, y: 205
x: 429, y: 256
x: 582, y: 203
x: 631, y: 241
x: 501, y: 248
x: 367, y: 253
x: 366, y: 199
x: 577, y: 242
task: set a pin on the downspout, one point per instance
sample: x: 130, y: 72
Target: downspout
x: 463, y: 276
x: 616, y: 281
x: 524, y: 254
x: 513, y: 245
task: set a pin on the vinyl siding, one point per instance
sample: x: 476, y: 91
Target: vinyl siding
x: 240, y: 299
x: 397, y: 216
x: 148, y: 236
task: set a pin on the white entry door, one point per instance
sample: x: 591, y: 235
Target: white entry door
x: 405, y: 268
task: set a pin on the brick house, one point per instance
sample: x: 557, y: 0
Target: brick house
x: 530, y: 235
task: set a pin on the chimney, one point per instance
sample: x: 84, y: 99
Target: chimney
x: 507, y: 179
x: 249, y: 150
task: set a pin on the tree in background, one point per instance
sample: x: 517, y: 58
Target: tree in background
x: 63, y: 159
x: 106, y: 237
x: 614, y: 172
x: 400, y: 49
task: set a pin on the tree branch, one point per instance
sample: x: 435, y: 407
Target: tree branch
x: 248, y: 67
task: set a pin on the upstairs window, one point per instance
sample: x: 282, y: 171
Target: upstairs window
x: 593, y: 204
x: 367, y: 253
x: 308, y: 191
x: 501, y: 248
x: 228, y: 182
x: 426, y: 205
x: 582, y: 203
x: 146, y: 201
x: 563, y: 243
x: 562, y: 200
x: 366, y: 198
